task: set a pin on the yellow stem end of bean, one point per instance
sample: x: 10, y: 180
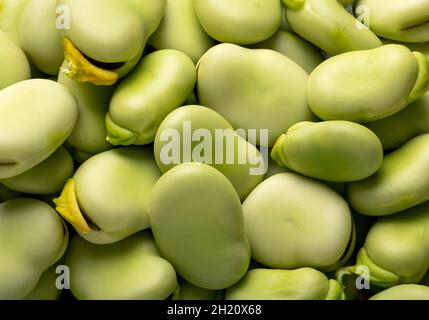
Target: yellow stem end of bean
x: 80, y: 69
x: 68, y: 207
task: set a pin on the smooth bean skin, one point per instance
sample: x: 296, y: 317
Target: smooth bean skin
x: 46, y: 287
x: 339, y: 88
x: 398, y: 20
x: 151, y: 12
x: 139, y: 272
x: 299, y: 284
x: 37, y: 117
x: 39, y: 37
x: 199, y: 117
x: 47, y: 177
x: 288, y: 231
x: 413, y: 46
x: 32, y: 238
x: 403, y: 292
x: 390, y: 190
x: 181, y: 30
x: 89, y: 133
x: 274, y: 168
x: 338, y: 151
x: 396, y: 249
x: 399, y: 128
x: 161, y: 83
x: 329, y: 26
x: 10, y: 15
x: 14, y: 65
x: 197, y: 223
x: 108, y: 31
x: 187, y: 291
x: 247, y: 87
x: 107, y: 200
x: 294, y: 47
x: 240, y: 21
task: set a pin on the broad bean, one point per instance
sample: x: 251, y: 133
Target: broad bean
x: 396, y: 19
x: 181, y: 30
x: 253, y: 88
x: 403, y: 292
x: 32, y: 238
x: 139, y: 104
x: 329, y: 26
x: 107, y: 199
x: 240, y: 21
x: 197, y: 223
x: 399, y: 184
x: 106, y: 38
x: 37, y: 116
x: 14, y: 65
x: 396, y: 249
x: 89, y: 133
x: 47, y: 177
x: 351, y: 86
x: 399, y: 128
x: 139, y: 272
x: 299, y: 284
x: 172, y: 138
x: 294, y: 47
x: 287, y: 231
x: 338, y: 151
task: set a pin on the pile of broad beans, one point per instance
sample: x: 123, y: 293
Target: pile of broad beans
x: 214, y: 149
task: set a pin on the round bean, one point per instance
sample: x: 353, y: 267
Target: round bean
x: 43, y: 238
x: 253, y: 88
x: 139, y: 272
x: 351, y: 86
x: 288, y: 231
x: 14, y: 65
x: 47, y: 177
x: 238, y: 22
x: 139, y: 104
x: 329, y: 26
x: 107, y: 200
x: 401, y: 183
x: 37, y: 116
x: 208, y: 247
x: 299, y: 284
x: 339, y: 151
